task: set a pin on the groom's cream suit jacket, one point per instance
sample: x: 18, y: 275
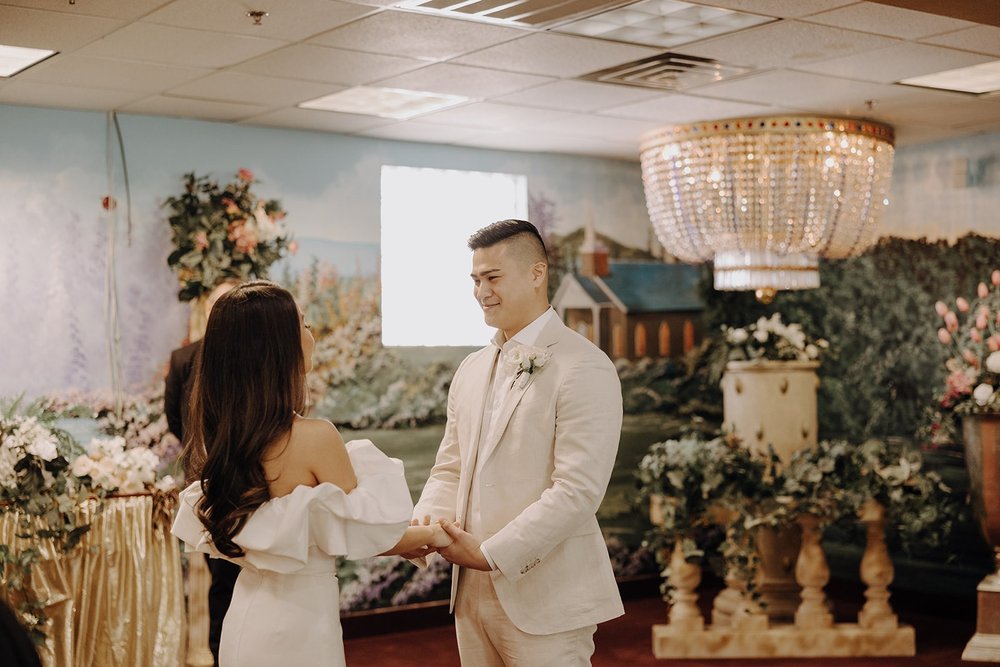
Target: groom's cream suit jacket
x: 545, y: 468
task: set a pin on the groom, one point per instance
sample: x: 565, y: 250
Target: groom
x: 533, y: 426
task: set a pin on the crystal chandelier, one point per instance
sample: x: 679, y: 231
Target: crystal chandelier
x: 765, y: 198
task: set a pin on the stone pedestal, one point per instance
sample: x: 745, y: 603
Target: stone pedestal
x: 773, y: 403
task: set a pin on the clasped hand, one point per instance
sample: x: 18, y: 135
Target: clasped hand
x: 454, y: 544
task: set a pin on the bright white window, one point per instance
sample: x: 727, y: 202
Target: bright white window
x: 427, y: 218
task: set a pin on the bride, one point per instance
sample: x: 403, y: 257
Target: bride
x: 281, y: 495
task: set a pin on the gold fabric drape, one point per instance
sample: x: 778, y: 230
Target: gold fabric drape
x: 117, y: 600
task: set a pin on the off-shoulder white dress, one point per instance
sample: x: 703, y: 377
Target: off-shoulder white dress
x: 285, y: 609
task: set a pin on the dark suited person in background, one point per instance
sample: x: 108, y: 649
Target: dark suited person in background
x: 176, y: 396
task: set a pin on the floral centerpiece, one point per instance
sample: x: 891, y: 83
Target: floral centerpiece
x: 972, y: 337
x: 773, y: 340
x: 223, y: 232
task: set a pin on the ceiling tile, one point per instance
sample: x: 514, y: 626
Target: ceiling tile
x: 604, y: 128
x: 72, y: 69
x: 785, y: 44
x: 581, y: 96
x: 956, y: 112
x: 183, y: 107
x: 320, y: 63
x: 556, y: 55
x: 51, y: 30
x: 309, y: 119
x: 462, y: 80
x: 779, y: 8
x: 981, y: 39
x: 64, y: 97
x: 416, y: 35
x: 803, y: 91
x: 499, y: 116
x: 116, y: 9
x: 671, y: 109
x: 424, y: 132
x: 179, y: 46
x: 896, y: 62
x: 253, y: 89
x: 887, y: 20
x: 550, y: 142
x: 287, y: 20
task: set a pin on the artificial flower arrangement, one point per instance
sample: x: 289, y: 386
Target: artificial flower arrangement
x: 773, y: 340
x: 46, y: 477
x: 223, y: 232
x: 972, y: 337
x: 693, y: 482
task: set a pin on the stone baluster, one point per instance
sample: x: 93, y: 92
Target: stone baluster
x: 876, y: 571
x: 812, y: 573
x: 685, y: 577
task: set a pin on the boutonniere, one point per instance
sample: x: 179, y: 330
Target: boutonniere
x: 525, y: 360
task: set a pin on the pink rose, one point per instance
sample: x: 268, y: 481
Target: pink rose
x: 959, y: 383
x: 963, y: 305
x: 970, y: 358
x: 983, y: 291
x: 245, y: 175
x: 201, y: 240
x: 995, y: 278
x: 944, y: 336
x: 231, y: 207
x: 976, y: 336
x: 993, y: 342
x: 941, y: 308
x: 951, y: 321
x: 981, y: 321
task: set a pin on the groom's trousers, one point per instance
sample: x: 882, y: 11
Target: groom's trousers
x: 487, y: 638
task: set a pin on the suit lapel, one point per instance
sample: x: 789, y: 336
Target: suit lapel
x: 480, y: 382
x: 547, y: 340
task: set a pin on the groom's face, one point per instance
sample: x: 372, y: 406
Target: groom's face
x: 506, y: 286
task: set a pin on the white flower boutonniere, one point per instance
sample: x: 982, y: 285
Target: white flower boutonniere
x: 526, y: 360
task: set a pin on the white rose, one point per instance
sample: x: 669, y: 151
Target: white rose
x: 760, y: 335
x: 44, y: 448
x: 982, y: 394
x: 993, y: 362
x: 738, y: 336
x: 167, y: 483
x: 82, y: 466
x: 540, y: 360
x: 812, y: 351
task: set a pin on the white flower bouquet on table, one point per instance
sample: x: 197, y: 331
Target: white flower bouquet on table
x: 773, y: 340
x: 110, y: 466
x: 524, y: 361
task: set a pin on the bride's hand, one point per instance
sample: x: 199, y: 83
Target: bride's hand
x: 439, y: 538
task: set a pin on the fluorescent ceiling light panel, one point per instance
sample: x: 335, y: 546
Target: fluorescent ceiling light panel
x: 384, y: 102
x: 663, y: 23
x: 978, y: 79
x: 13, y: 59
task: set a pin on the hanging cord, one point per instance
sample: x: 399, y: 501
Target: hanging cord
x: 111, y: 277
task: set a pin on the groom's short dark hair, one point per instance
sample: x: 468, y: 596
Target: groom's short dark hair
x: 503, y: 230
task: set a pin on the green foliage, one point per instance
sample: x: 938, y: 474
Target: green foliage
x: 877, y: 311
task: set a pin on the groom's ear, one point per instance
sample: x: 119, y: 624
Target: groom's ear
x: 539, y: 273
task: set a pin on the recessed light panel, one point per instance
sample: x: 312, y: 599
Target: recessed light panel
x: 663, y: 23
x: 13, y: 59
x: 384, y: 102
x: 977, y: 79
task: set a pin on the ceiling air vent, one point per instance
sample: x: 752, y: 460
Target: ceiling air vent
x: 667, y: 71
x: 520, y: 13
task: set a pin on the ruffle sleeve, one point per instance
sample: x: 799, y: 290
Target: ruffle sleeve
x: 278, y: 535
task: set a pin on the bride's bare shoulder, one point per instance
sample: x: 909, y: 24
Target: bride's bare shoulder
x: 315, y: 433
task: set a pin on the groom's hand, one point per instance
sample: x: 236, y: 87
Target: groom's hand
x: 420, y: 552
x: 464, y: 550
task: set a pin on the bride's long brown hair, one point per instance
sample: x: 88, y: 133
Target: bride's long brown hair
x: 249, y: 381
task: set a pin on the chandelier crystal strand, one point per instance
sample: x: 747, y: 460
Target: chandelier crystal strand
x: 765, y: 198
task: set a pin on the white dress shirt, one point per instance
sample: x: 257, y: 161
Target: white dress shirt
x: 500, y: 386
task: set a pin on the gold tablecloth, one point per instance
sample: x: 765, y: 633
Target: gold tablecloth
x: 118, y: 599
